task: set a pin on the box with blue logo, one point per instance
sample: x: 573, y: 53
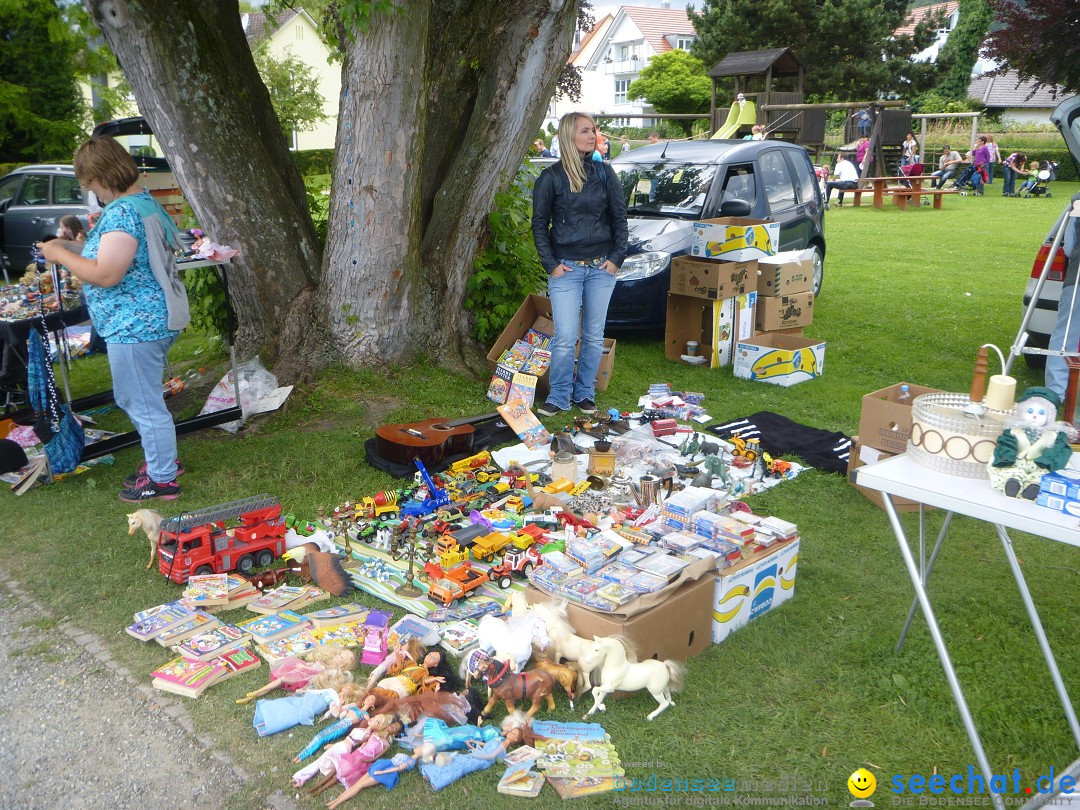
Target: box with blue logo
x: 735, y: 239
x: 752, y: 587
x: 1060, y: 491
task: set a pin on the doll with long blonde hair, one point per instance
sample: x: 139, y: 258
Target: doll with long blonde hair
x: 315, y: 668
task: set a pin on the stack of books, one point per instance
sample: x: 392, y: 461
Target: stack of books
x: 209, y: 644
x: 264, y: 629
x: 286, y: 597
x: 350, y: 612
x: 190, y: 678
x: 200, y: 622
x: 152, y: 622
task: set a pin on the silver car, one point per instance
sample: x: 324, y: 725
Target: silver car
x: 32, y: 201
x: 1067, y: 119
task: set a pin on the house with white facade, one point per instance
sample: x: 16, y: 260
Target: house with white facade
x: 950, y: 9
x: 1014, y: 99
x: 612, y: 56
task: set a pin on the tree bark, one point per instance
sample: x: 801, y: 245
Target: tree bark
x: 191, y: 70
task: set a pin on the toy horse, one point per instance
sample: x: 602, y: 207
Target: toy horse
x: 661, y: 678
x: 566, y: 676
x: 510, y: 687
x: 150, y: 522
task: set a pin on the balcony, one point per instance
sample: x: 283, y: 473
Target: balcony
x: 629, y: 67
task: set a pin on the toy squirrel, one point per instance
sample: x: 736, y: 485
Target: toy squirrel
x: 1033, y: 445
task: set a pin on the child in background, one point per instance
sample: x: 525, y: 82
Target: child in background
x: 1033, y: 177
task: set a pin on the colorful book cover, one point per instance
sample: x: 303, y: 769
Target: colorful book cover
x: 278, y: 599
x: 499, y: 387
x: 409, y: 626
x: 208, y: 589
x: 459, y: 636
x: 212, y: 643
x: 185, y: 676
x: 578, y: 759
x: 276, y: 625
x: 523, y: 387
x: 517, y: 355
x: 288, y: 647
x: 157, y: 623
x: 537, y: 339
x: 350, y: 612
x: 236, y: 662
x: 199, y: 622
x: 520, y: 781
x: 346, y: 634
x: 146, y: 614
x: 525, y: 424
x: 538, y: 363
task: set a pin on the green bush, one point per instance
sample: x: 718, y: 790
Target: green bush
x: 314, y: 161
x: 8, y: 168
x: 507, y: 269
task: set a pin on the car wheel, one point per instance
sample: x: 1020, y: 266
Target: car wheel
x: 264, y: 558
x: 246, y: 564
x: 1037, y: 362
x: 202, y: 570
x: 819, y: 269
x: 504, y: 582
x: 526, y: 568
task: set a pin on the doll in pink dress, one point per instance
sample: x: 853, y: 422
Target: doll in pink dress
x: 296, y: 673
x: 348, y: 767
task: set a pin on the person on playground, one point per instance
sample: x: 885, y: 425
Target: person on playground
x: 847, y: 179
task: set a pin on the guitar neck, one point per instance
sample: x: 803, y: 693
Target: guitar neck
x: 471, y: 420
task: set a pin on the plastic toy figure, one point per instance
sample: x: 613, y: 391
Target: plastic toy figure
x: 361, y: 743
x: 411, y: 677
x: 1034, y: 444
x: 295, y: 673
x: 385, y: 772
x: 376, y: 629
x: 349, y: 716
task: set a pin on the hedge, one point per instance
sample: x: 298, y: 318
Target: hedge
x: 314, y: 161
x: 1067, y: 169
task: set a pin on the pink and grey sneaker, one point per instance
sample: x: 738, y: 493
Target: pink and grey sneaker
x: 147, y: 490
x: 129, y: 482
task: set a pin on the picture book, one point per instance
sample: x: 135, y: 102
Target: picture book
x: 517, y: 355
x: 288, y: 647
x: 207, y: 589
x: 525, y: 424
x: 459, y: 637
x: 241, y: 591
x: 537, y: 339
x: 350, y: 612
x: 199, y: 622
x: 522, y: 755
x: 538, y: 363
x: 578, y: 759
x: 523, y: 387
x: 236, y: 662
x: 157, y: 623
x: 409, y: 626
x: 185, y: 676
x: 346, y: 634
x: 499, y: 387
x: 520, y: 781
x: 212, y: 643
x: 278, y: 599
x: 265, y: 629
x: 146, y: 614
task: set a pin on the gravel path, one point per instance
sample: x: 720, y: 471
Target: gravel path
x: 77, y: 730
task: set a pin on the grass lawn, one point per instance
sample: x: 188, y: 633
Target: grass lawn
x: 813, y: 688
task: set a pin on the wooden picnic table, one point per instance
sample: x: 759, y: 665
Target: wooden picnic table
x: 880, y: 185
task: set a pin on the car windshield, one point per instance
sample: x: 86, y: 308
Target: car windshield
x: 665, y: 189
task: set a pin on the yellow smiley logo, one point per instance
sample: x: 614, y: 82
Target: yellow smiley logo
x: 862, y: 784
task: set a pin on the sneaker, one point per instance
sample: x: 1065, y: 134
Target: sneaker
x: 146, y: 490
x: 549, y: 409
x: 130, y: 481
x: 586, y: 406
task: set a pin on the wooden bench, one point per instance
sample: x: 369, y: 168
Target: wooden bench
x: 901, y: 196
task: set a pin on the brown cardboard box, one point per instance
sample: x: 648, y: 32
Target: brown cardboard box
x: 860, y: 456
x: 785, y: 274
x: 691, y: 318
x: 702, y: 278
x: 885, y: 423
x: 779, y: 359
x: 677, y: 628
x: 785, y: 311
x: 535, y: 312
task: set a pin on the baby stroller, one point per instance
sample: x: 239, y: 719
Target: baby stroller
x: 1036, y: 186
x: 969, y: 180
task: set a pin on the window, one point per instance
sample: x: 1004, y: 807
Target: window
x: 299, y: 34
x: 675, y: 189
x: 8, y: 188
x: 66, y: 191
x: 684, y: 43
x: 624, y: 53
x: 35, y: 190
x: 740, y: 184
x: 621, y: 86
x: 808, y: 186
x: 776, y: 178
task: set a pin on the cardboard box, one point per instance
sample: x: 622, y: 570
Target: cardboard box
x: 677, y: 628
x: 535, y: 312
x: 786, y: 273
x: 860, y: 456
x: 779, y: 359
x: 785, y: 311
x: 885, y: 423
x: 715, y: 325
x: 752, y: 587
x: 735, y: 239
x: 704, y: 278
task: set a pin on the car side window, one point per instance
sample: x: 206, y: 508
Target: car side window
x: 808, y: 187
x: 66, y: 191
x: 35, y: 190
x: 776, y: 177
x: 740, y: 183
x: 8, y: 188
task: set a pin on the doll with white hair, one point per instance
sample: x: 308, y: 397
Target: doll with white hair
x: 1034, y: 444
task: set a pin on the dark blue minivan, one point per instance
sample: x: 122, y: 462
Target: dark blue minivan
x: 668, y: 186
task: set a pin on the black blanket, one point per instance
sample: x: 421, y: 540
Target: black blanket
x: 824, y: 449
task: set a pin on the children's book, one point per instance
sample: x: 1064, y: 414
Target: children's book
x: 410, y: 626
x: 459, y: 637
x: 525, y: 424
x: 523, y: 387
x: 311, y: 594
x: 288, y: 647
x: 236, y: 662
x: 199, y: 622
x: 265, y: 629
x: 207, y: 589
x: 522, y: 755
x: 516, y: 356
x: 537, y: 339
x: 187, y: 677
x: 538, y: 363
x: 578, y: 759
x: 157, y: 623
x: 350, y: 612
x: 278, y: 599
x: 146, y: 614
x: 346, y: 634
x: 209, y: 645
x: 521, y: 780
x: 499, y: 387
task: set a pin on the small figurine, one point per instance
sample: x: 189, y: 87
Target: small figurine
x: 409, y: 675
x: 349, y: 715
x: 533, y: 685
x: 376, y: 629
x: 150, y: 522
x: 1034, y: 444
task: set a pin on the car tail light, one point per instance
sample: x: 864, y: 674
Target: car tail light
x: 1057, y: 266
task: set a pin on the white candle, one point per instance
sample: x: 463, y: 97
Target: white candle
x: 1000, y: 393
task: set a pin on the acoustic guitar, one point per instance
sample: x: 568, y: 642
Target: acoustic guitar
x: 430, y: 440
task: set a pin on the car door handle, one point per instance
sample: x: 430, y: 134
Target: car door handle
x: 37, y: 220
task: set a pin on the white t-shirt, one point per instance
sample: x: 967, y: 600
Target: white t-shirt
x: 846, y: 172
x: 952, y: 157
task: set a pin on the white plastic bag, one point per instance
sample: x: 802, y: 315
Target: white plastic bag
x: 255, y: 383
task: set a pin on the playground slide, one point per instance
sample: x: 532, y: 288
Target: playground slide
x: 737, y: 118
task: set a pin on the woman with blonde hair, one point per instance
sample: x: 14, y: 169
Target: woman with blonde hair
x: 580, y: 230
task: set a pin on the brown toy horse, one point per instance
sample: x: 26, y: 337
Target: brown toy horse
x: 565, y: 675
x: 510, y: 687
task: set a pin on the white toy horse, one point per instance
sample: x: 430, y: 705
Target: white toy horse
x: 661, y: 678
x: 512, y: 640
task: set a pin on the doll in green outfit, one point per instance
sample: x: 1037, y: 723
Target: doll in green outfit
x: 1033, y: 445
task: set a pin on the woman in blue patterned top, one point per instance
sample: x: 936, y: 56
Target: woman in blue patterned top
x: 136, y: 301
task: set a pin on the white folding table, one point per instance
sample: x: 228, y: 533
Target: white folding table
x: 902, y: 477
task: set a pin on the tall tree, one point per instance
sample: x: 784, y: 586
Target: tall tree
x: 293, y: 89
x: 846, y: 46
x: 439, y: 101
x: 1039, y: 39
x: 674, y: 82
x: 962, y: 48
x: 39, y: 98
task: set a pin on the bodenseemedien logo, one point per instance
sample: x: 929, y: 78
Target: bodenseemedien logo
x: 862, y: 785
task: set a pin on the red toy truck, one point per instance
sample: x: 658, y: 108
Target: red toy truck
x: 199, y: 543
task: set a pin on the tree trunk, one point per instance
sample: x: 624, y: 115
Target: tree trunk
x: 191, y: 70
x: 419, y: 161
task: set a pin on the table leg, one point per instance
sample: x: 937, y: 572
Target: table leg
x: 942, y: 650
x: 879, y: 194
x: 925, y: 575
x: 1040, y: 634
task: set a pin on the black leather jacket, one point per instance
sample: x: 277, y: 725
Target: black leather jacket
x: 586, y: 225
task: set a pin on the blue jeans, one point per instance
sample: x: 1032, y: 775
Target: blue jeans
x: 1057, y: 371
x: 1008, y: 180
x: 579, y: 302
x: 990, y: 172
x: 941, y: 177
x: 136, y: 376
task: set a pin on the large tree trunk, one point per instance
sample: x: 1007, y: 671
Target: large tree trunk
x: 192, y: 73
x: 439, y: 104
